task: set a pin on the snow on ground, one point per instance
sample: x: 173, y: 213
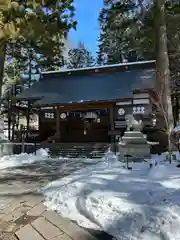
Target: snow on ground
x: 17, y: 160
x: 141, y: 203
x: 3, y: 134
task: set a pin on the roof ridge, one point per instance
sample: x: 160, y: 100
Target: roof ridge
x: 100, y: 67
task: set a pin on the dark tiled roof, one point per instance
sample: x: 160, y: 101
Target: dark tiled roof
x: 97, y: 87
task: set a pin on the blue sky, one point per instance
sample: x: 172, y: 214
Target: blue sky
x: 87, y: 12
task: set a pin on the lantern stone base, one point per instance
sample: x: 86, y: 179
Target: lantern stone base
x: 134, y: 143
x: 140, y: 151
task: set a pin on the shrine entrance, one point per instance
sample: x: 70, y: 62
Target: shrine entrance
x: 85, y: 126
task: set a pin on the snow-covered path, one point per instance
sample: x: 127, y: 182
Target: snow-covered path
x: 140, y: 204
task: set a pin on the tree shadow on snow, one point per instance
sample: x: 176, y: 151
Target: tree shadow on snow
x: 42, y: 171
x: 146, y: 195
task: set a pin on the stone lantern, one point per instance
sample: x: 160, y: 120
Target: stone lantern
x: 134, y: 143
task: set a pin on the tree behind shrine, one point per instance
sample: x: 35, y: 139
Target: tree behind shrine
x: 80, y: 57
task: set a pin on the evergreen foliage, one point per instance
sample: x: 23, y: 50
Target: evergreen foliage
x: 80, y: 57
x: 38, y: 26
x: 120, y: 23
x: 127, y: 34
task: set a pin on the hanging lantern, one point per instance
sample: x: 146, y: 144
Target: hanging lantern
x: 90, y: 115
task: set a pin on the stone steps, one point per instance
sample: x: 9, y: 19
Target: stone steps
x: 76, y: 150
x: 71, y: 150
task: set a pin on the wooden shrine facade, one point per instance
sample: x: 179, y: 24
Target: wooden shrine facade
x: 90, y: 105
x: 92, y: 123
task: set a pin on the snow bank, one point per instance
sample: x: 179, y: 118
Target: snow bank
x: 140, y: 204
x: 24, y: 158
x: 4, y: 135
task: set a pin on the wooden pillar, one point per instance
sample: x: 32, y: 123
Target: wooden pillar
x: 58, y: 121
x: 9, y: 120
x: 113, y: 148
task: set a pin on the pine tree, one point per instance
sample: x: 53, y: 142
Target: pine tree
x: 42, y: 25
x: 80, y: 57
x: 119, y: 24
x: 147, y: 38
x: 141, y: 44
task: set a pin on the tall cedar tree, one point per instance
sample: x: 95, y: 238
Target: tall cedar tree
x: 120, y: 23
x: 162, y: 67
x: 147, y: 38
x: 115, y: 45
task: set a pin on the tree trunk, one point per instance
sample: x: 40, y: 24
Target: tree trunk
x: 29, y: 106
x: 13, y: 126
x: 9, y: 120
x: 2, y: 60
x: 162, y: 67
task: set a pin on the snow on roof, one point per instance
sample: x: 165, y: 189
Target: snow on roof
x: 101, y: 67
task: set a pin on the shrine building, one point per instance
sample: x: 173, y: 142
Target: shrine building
x: 91, y: 104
